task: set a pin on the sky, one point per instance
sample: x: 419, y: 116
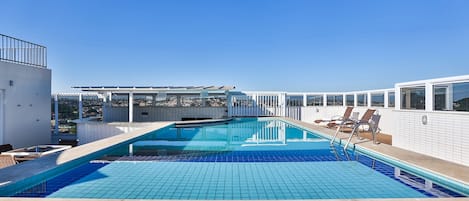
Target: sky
x: 255, y: 45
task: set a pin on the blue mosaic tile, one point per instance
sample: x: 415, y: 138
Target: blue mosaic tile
x: 182, y: 180
x: 52, y: 185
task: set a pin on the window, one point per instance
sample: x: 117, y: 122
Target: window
x: 143, y: 100
x: 216, y: 101
x: 413, y: 98
x: 350, y: 100
x: 68, y: 111
x: 120, y: 100
x: 164, y: 100
x: 314, y: 100
x: 362, y: 100
x: 92, y: 106
x: 391, y: 99
x: 294, y: 100
x: 335, y: 100
x: 441, y: 98
x: 377, y: 100
x: 191, y: 101
x: 451, y: 97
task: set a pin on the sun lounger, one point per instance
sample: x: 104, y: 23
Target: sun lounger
x: 355, y: 124
x: 337, y: 119
x: 6, y: 160
x: 369, y: 119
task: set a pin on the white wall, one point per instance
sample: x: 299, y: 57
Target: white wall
x: 163, y: 113
x: 387, y: 123
x: 27, y: 106
x: 91, y: 131
x: 445, y: 135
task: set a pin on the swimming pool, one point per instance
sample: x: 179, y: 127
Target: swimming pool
x: 244, y: 159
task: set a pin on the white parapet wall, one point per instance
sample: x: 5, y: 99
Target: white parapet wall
x: 150, y: 114
x: 432, y: 117
x: 25, y: 104
x: 89, y: 131
x: 445, y: 134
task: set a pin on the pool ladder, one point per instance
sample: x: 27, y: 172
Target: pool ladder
x: 372, y: 123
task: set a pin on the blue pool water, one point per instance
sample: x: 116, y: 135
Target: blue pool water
x: 245, y: 159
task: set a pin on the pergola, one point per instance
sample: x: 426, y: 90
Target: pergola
x: 107, y: 92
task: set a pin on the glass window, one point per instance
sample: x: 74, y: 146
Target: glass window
x: 216, y: 101
x: 191, y: 101
x: 391, y: 99
x: 441, y: 97
x: 413, y: 98
x: 92, y: 106
x: 120, y: 100
x: 350, y: 100
x: 451, y: 97
x: 294, y: 100
x: 143, y: 100
x: 52, y: 114
x: 314, y: 100
x: 362, y: 100
x: 68, y: 111
x: 377, y: 100
x: 166, y: 100
x: 335, y: 100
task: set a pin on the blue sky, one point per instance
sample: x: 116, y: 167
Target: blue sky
x: 292, y: 45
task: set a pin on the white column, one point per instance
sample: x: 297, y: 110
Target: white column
x: 368, y: 97
x: 80, y: 106
x: 428, y: 97
x: 56, y: 113
x: 304, y: 100
x: 131, y: 107
x: 255, y: 105
x: 324, y: 100
x: 386, y: 99
x: 397, y: 98
x: 344, y: 100
x: 282, y: 98
x: 355, y: 101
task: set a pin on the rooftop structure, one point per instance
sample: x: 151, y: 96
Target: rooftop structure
x: 25, y: 87
x: 19, y: 51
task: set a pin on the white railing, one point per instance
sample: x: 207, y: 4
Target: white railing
x: 286, y: 104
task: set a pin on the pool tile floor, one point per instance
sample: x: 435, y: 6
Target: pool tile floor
x: 199, y: 180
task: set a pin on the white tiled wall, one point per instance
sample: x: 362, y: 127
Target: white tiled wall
x: 445, y: 136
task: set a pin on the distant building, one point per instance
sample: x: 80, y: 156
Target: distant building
x: 25, y: 88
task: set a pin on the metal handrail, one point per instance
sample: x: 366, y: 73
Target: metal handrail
x: 18, y: 51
